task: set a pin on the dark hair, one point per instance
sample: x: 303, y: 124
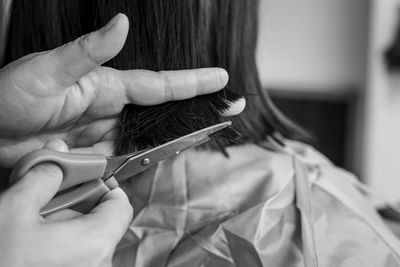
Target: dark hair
x: 165, y: 35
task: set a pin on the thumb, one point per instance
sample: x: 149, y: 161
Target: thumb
x: 112, y: 216
x: 39, y: 185
x: 67, y: 64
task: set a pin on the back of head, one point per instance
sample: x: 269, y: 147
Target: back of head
x: 165, y: 35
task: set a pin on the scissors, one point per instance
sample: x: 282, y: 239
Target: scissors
x: 88, y: 177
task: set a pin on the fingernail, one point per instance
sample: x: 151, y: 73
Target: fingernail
x: 111, y: 23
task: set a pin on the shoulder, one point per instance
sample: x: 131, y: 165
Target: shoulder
x: 307, y: 153
x: 319, y: 167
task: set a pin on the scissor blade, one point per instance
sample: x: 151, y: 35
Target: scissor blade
x: 142, y: 161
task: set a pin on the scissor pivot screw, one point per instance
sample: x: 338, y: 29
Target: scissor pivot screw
x: 146, y: 162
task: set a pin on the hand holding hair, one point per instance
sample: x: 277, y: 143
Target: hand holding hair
x: 65, y: 93
x: 66, y: 238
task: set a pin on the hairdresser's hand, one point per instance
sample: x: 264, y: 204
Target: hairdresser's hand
x: 64, y: 93
x: 66, y: 238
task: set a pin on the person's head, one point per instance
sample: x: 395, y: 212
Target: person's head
x: 165, y: 35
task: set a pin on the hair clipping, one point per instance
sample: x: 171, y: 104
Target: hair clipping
x: 227, y: 133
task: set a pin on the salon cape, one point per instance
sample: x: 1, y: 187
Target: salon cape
x: 262, y: 206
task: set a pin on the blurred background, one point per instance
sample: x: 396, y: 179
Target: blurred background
x: 324, y: 64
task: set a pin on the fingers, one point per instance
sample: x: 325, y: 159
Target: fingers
x: 57, y: 145
x: 144, y: 87
x: 38, y: 186
x: 68, y: 63
x: 41, y: 183
x: 149, y: 88
x: 104, y: 148
x: 112, y: 216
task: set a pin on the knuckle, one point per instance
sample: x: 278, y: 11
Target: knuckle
x: 166, y: 86
x: 106, y: 77
x: 196, y: 85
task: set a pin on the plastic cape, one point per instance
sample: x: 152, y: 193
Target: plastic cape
x: 259, y: 207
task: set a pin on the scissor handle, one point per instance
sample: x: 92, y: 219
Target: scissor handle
x: 77, y: 168
x: 83, y: 199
